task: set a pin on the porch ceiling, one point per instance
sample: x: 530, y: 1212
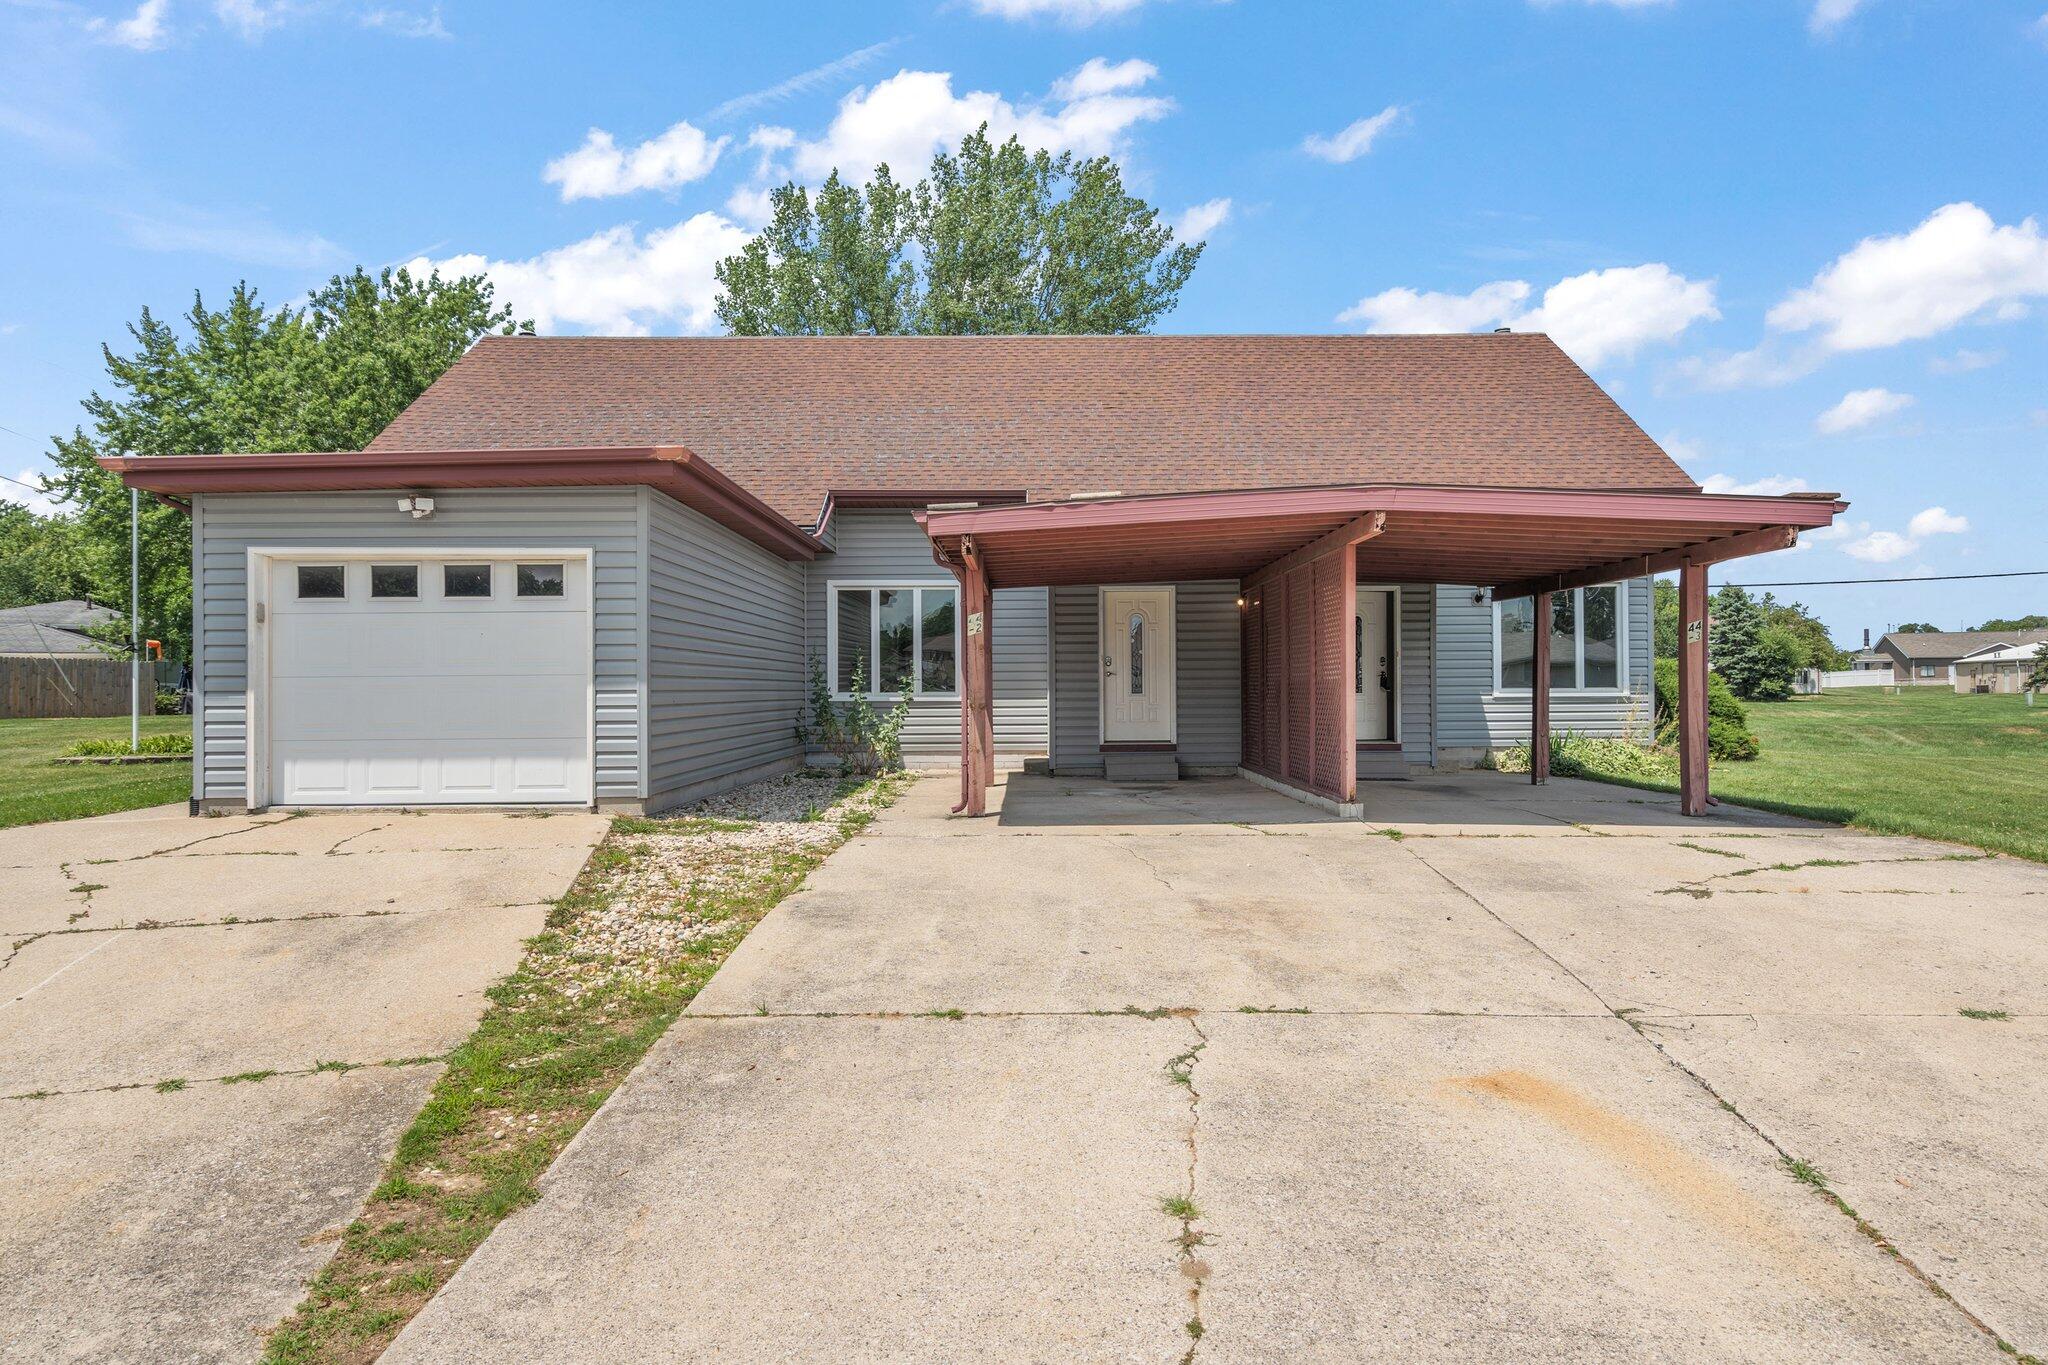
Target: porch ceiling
x: 1488, y: 537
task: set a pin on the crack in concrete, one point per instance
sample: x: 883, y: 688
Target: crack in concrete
x: 1791, y: 1163
x: 1181, y: 1070
x: 1702, y: 887
x: 172, y: 1085
x: 335, y: 851
x: 240, y: 921
x: 1150, y: 866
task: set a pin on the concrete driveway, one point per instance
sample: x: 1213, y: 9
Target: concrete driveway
x: 167, y: 1195
x: 1503, y: 1074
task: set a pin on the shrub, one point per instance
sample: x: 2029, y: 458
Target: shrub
x: 169, y: 701
x: 863, y: 739
x: 1580, y: 756
x: 151, y: 744
x: 1729, y: 737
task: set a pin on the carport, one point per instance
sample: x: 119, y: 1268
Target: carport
x: 1299, y: 555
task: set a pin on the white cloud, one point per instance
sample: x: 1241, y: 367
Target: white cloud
x: 1770, y: 486
x: 616, y: 280
x: 1078, y: 12
x: 405, y: 23
x: 1956, y: 265
x: 1097, y: 77
x: 901, y: 121
x: 1199, y: 220
x: 32, y: 497
x: 802, y: 81
x: 232, y: 237
x: 1354, y: 141
x: 1763, y: 366
x: 1936, y: 521
x: 1885, y: 547
x: 1406, y: 310
x: 2039, y: 28
x: 1829, y: 15
x: 143, y: 30
x: 1964, y: 361
x: 599, y: 168
x: 250, y: 18
x: 1859, y: 409
x: 1880, y: 547
x: 1600, y: 316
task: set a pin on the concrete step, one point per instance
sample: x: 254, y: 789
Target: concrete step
x: 1382, y: 765
x: 1143, y: 765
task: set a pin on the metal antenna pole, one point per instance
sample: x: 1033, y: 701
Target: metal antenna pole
x: 134, y: 620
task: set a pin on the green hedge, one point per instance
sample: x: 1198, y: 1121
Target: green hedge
x: 1729, y: 737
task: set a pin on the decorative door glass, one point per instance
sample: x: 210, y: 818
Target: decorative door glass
x: 1137, y: 669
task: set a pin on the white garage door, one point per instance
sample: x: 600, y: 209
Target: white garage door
x: 429, y: 681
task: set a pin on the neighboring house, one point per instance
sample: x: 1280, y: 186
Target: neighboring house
x: 60, y: 628
x: 1928, y: 657
x: 1996, y: 668
x: 585, y: 570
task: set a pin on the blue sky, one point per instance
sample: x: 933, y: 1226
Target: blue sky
x: 1800, y: 240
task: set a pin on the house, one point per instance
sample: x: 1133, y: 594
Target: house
x: 60, y: 628
x: 1996, y: 668
x: 1929, y: 656
x: 599, y: 570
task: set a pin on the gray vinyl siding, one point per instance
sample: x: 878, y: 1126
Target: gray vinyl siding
x: 888, y: 546
x: 725, y: 655
x: 1471, y: 716
x: 225, y: 526
x: 1418, y: 673
x: 1208, y: 712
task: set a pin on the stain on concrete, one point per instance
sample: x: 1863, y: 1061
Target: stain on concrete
x: 1708, y: 1196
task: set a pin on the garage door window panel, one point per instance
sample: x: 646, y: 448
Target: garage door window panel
x: 322, y: 583
x: 465, y: 580
x: 395, y: 582
x: 540, y: 580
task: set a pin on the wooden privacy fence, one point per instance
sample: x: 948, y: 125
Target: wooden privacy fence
x: 39, y: 685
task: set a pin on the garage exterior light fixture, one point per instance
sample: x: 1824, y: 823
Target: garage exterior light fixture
x: 421, y: 508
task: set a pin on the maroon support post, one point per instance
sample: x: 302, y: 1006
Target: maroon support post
x: 1539, y: 697
x: 1692, y: 689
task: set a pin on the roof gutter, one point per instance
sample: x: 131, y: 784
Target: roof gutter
x: 673, y: 470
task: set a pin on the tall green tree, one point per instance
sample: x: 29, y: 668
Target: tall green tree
x: 994, y: 240
x: 1915, y: 628
x: 43, y: 559
x: 1757, y: 656
x: 2037, y: 672
x: 244, y: 377
x: 2031, y: 621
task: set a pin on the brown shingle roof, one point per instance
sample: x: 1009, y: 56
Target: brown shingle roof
x: 793, y: 418
x: 1954, y: 644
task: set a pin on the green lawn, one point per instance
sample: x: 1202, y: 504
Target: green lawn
x: 1925, y: 761
x: 33, y: 789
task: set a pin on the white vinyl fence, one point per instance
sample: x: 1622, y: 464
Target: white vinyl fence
x: 1814, y: 680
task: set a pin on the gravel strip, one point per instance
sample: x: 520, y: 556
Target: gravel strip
x: 686, y: 873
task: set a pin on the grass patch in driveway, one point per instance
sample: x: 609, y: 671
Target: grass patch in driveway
x: 35, y: 788
x: 658, y: 907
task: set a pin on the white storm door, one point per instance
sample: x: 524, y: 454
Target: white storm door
x: 1375, y: 679
x: 439, y: 681
x: 1137, y: 666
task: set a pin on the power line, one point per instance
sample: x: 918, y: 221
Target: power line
x: 1907, y: 578
x: 33, y: 488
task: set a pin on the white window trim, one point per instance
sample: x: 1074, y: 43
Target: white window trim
x: 916, y: 586
x: 1621, y: 686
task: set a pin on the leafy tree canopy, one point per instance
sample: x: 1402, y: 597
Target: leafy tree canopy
x: 1759, y: 657
x: 325, y: 376
x: 994, y: 240
x: 1809, y: 637
x: 2036, y: 621
x: 1915, y: 628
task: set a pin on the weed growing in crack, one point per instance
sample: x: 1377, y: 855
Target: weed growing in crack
x: 171, y: 1086
x: 319, y: 1067
x: 1272, y: 1009
x: 1179, y: 1206
x: 1999, y: 1015
x: 1708, y: 848
x: 247, y: 1077
x: 946, y: 1014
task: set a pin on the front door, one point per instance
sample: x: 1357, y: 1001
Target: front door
x: 1137, y: 666
x: 1375, y: 678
